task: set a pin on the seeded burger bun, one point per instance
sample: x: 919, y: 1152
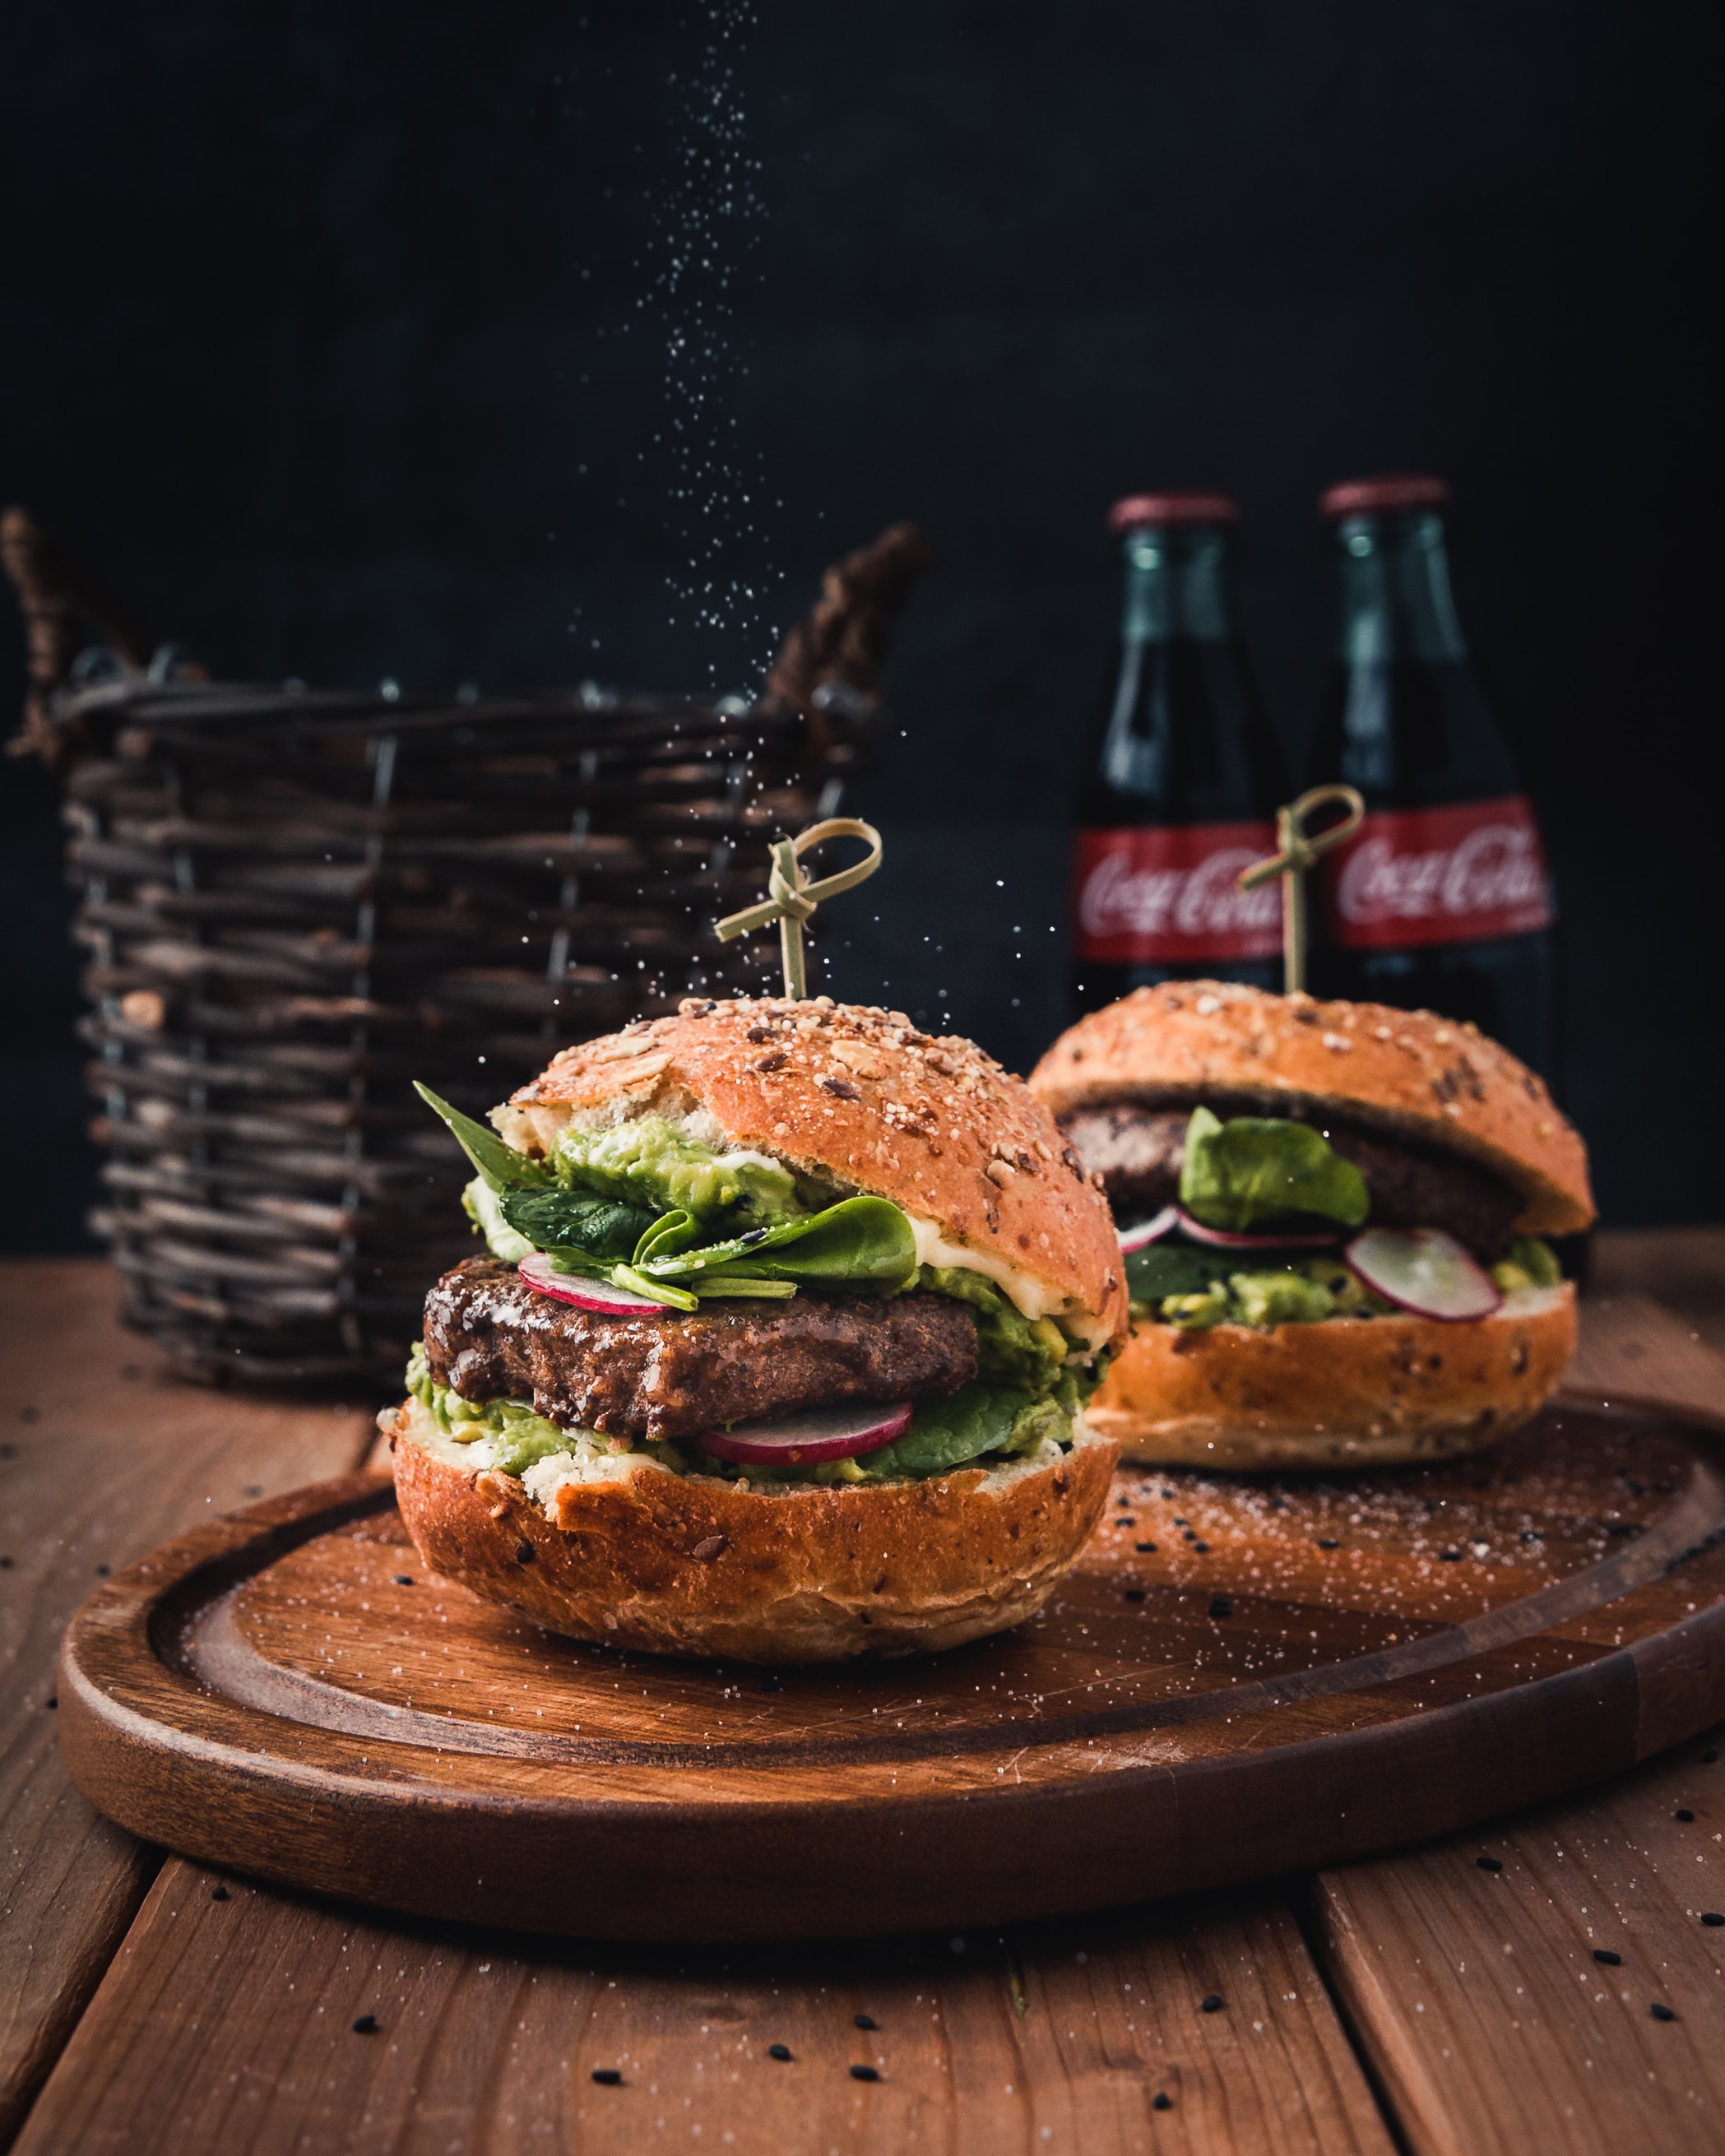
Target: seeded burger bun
x: 1450, y: 1131
x: 858, y: 1097
x: 664, y: 1564
x: 634, y: 1539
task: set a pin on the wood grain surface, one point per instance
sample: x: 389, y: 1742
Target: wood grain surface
x: 1682, y: 1270
x: 101, y: 1455
x: 206, y: 2035
x: 1635, y: 1352
x: 228, y: 2026
x: 1478, y: 1997
x: 1240, y: 1677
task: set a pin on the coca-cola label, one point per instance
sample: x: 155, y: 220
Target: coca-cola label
x: 1159, y: 894
x: 1461, y: 874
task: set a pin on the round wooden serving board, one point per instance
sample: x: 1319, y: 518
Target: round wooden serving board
x: 1242, y: 1676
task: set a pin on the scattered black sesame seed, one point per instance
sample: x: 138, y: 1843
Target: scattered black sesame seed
x: 1620, y: 1527
x: 864, y: 2074
x: 404, y: 1579
x: 1328, y: 1542
x: 52, y: 1700
x: 1178, y: 1524
x: 1635, y: 1488
x: 1712, y: 1917
x: 1125, y: 1524
x: 1683, y: 1813
x: 5, y: 1564
x: 1211, y: 2002
x: 1611, y: 1960
x: 29, y: 1414
x: 1489, y: 1863
x: 1144, y: 1549
x: 864, y: 2021
x: 1450, y: 1557
x: 524, y: 1553
x: 253, y: 1489
x: 219, y: 1893
x: 607, y: 2077
x: 1205, y: 1546
x: 1190, y: 1535
x: 1135, y: 1595
x: 103, y: 1570
x: 365, y: 2024
x: 1221, y: 1605
x: 1661, y: 2012
x: 1169, y: 1493
x: 1162, y: 2100
x: 778, y: 2051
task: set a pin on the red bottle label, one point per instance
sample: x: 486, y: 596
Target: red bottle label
x: 1461, y: 874
x: 1160, y: 894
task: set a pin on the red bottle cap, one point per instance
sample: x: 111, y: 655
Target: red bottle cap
x: 1359, y: 497
x: 1136, y: 509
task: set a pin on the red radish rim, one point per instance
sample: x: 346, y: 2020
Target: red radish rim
x: 584, y: 1294
x: 1459, y: 1254
x: 774, y: 1443
x: 1226, y: 1239
x: 1150, y: 1231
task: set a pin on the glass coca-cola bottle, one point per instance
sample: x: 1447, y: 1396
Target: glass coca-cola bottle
x: 1441, y: 901
x: 1187, y: 773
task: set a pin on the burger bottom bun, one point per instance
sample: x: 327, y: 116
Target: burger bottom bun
x: 1349, y: 1392
x: 666, y: 1564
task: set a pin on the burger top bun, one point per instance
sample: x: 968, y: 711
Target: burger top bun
x: 858, y: 1097
x: 1425, y: 1080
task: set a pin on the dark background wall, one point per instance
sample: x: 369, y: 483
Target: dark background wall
x: 393, y: 340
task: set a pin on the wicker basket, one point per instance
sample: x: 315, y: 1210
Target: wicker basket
x: 294, y: 903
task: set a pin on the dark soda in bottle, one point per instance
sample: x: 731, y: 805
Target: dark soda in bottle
x: 1441, y: 901
x: 1187, y: 774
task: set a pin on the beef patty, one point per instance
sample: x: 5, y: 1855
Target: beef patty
x: 1138, y: 1153
x: 489, y: 1336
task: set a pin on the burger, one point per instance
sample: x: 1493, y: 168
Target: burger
x: 1334, y: 1217
x: 779, y: 1348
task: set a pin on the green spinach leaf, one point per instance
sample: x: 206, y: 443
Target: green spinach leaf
x: 863, y: 1243
x: 1257, y: 1171
x: 576, y: 1220
x: 501, y: 1165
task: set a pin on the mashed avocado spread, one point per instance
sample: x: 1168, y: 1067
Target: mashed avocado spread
x: 1261, y: 1175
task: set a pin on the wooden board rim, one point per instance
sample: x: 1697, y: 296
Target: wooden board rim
x: 127, y: 1717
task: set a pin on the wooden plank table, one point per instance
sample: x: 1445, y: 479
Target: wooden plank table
x: 1419, y: 2001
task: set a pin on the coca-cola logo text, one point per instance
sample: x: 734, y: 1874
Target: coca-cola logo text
x: 1440, y: 875
x: 1118, y: 899
x: 1164, y: 894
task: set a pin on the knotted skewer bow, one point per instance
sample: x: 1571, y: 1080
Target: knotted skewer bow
x: 1299, y: 852
x: 792, y: 899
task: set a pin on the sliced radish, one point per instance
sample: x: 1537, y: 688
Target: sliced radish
x: 539, y: 1274
x: 1224, y: 1239
x: 794, y: 1440
x: 1150, y: 1231
x: 1424, y: 1270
